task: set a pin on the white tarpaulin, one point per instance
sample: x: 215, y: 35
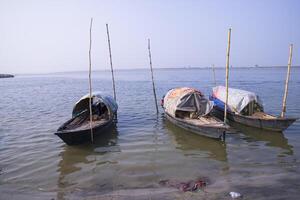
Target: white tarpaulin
x: 237, y: 99
x: 188, y: 100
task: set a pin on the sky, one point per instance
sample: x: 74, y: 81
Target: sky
x: 39, y: 36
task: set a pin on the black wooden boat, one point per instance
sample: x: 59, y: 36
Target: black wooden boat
x: 190, y: 110
x: 246, y: 108
x: 77, y: 130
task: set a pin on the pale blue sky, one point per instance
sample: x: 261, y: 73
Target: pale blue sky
x: 51, y: 36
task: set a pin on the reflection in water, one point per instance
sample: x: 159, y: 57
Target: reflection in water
x: 273, y: 139
x: 72, y: 156
x: 186, y: 140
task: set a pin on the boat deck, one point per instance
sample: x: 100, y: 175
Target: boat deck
x: 86, y: 125
x: 83, y: 123
x: 205, y: 121
x: 262, y: 115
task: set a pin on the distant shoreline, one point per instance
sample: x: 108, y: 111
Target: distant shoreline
x: 6, y: 76
x: 170, y: 68
x: 158, y: 68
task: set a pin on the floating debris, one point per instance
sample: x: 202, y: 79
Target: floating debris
x: 235, y: 195
x: 190, y: 186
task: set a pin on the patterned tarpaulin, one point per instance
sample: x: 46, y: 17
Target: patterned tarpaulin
x: 186, y: 99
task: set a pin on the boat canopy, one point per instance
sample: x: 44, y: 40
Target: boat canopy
x: 237, y: 99
x: 98, y: 97
x: 187, y: 100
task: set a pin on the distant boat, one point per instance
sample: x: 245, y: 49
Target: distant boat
x: 6, y: 76
x: 77, y: 130
x: 190, y: 110
x: 246, y: 108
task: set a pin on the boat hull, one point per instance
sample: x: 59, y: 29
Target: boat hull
x: 274, y: 124
x: 208, y: 131
x: 83, y: 136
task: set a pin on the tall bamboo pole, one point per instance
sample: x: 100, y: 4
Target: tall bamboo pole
x: 90, y: 82
x: 227, y: 74
x: 287, y: 82
x: 111, y: 64
x: 213, y: 68
x: 153, y: 86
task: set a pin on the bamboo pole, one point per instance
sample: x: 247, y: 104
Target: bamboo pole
x: 153, y: 86
x: 227, y: 74
x: 213, y: 68
x: 111, y: 64
x: 287, y: 81
x: 90, y: 82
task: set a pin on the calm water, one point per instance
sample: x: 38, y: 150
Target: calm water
x: 143, y: 148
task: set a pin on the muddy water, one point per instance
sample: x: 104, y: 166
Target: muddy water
x: 143, y: 148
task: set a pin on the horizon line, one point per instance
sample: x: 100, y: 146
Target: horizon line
x: 157, y: 68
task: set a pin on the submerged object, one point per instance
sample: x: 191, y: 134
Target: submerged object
x: 189, y: 186
x: 190, y: 110
x: 246, y: 108
x: 77, y: 130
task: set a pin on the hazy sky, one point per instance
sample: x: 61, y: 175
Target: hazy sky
x: 51, y: 36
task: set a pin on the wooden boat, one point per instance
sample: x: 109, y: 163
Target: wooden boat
x: 190, y: 110
x: 246, y: 108
x: 77, y: 130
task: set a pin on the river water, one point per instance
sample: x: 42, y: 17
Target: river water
x: 129, y: 161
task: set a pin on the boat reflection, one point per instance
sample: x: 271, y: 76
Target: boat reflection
x: 272, y: 139
x: 73, y: 156
x: 187, y: 141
